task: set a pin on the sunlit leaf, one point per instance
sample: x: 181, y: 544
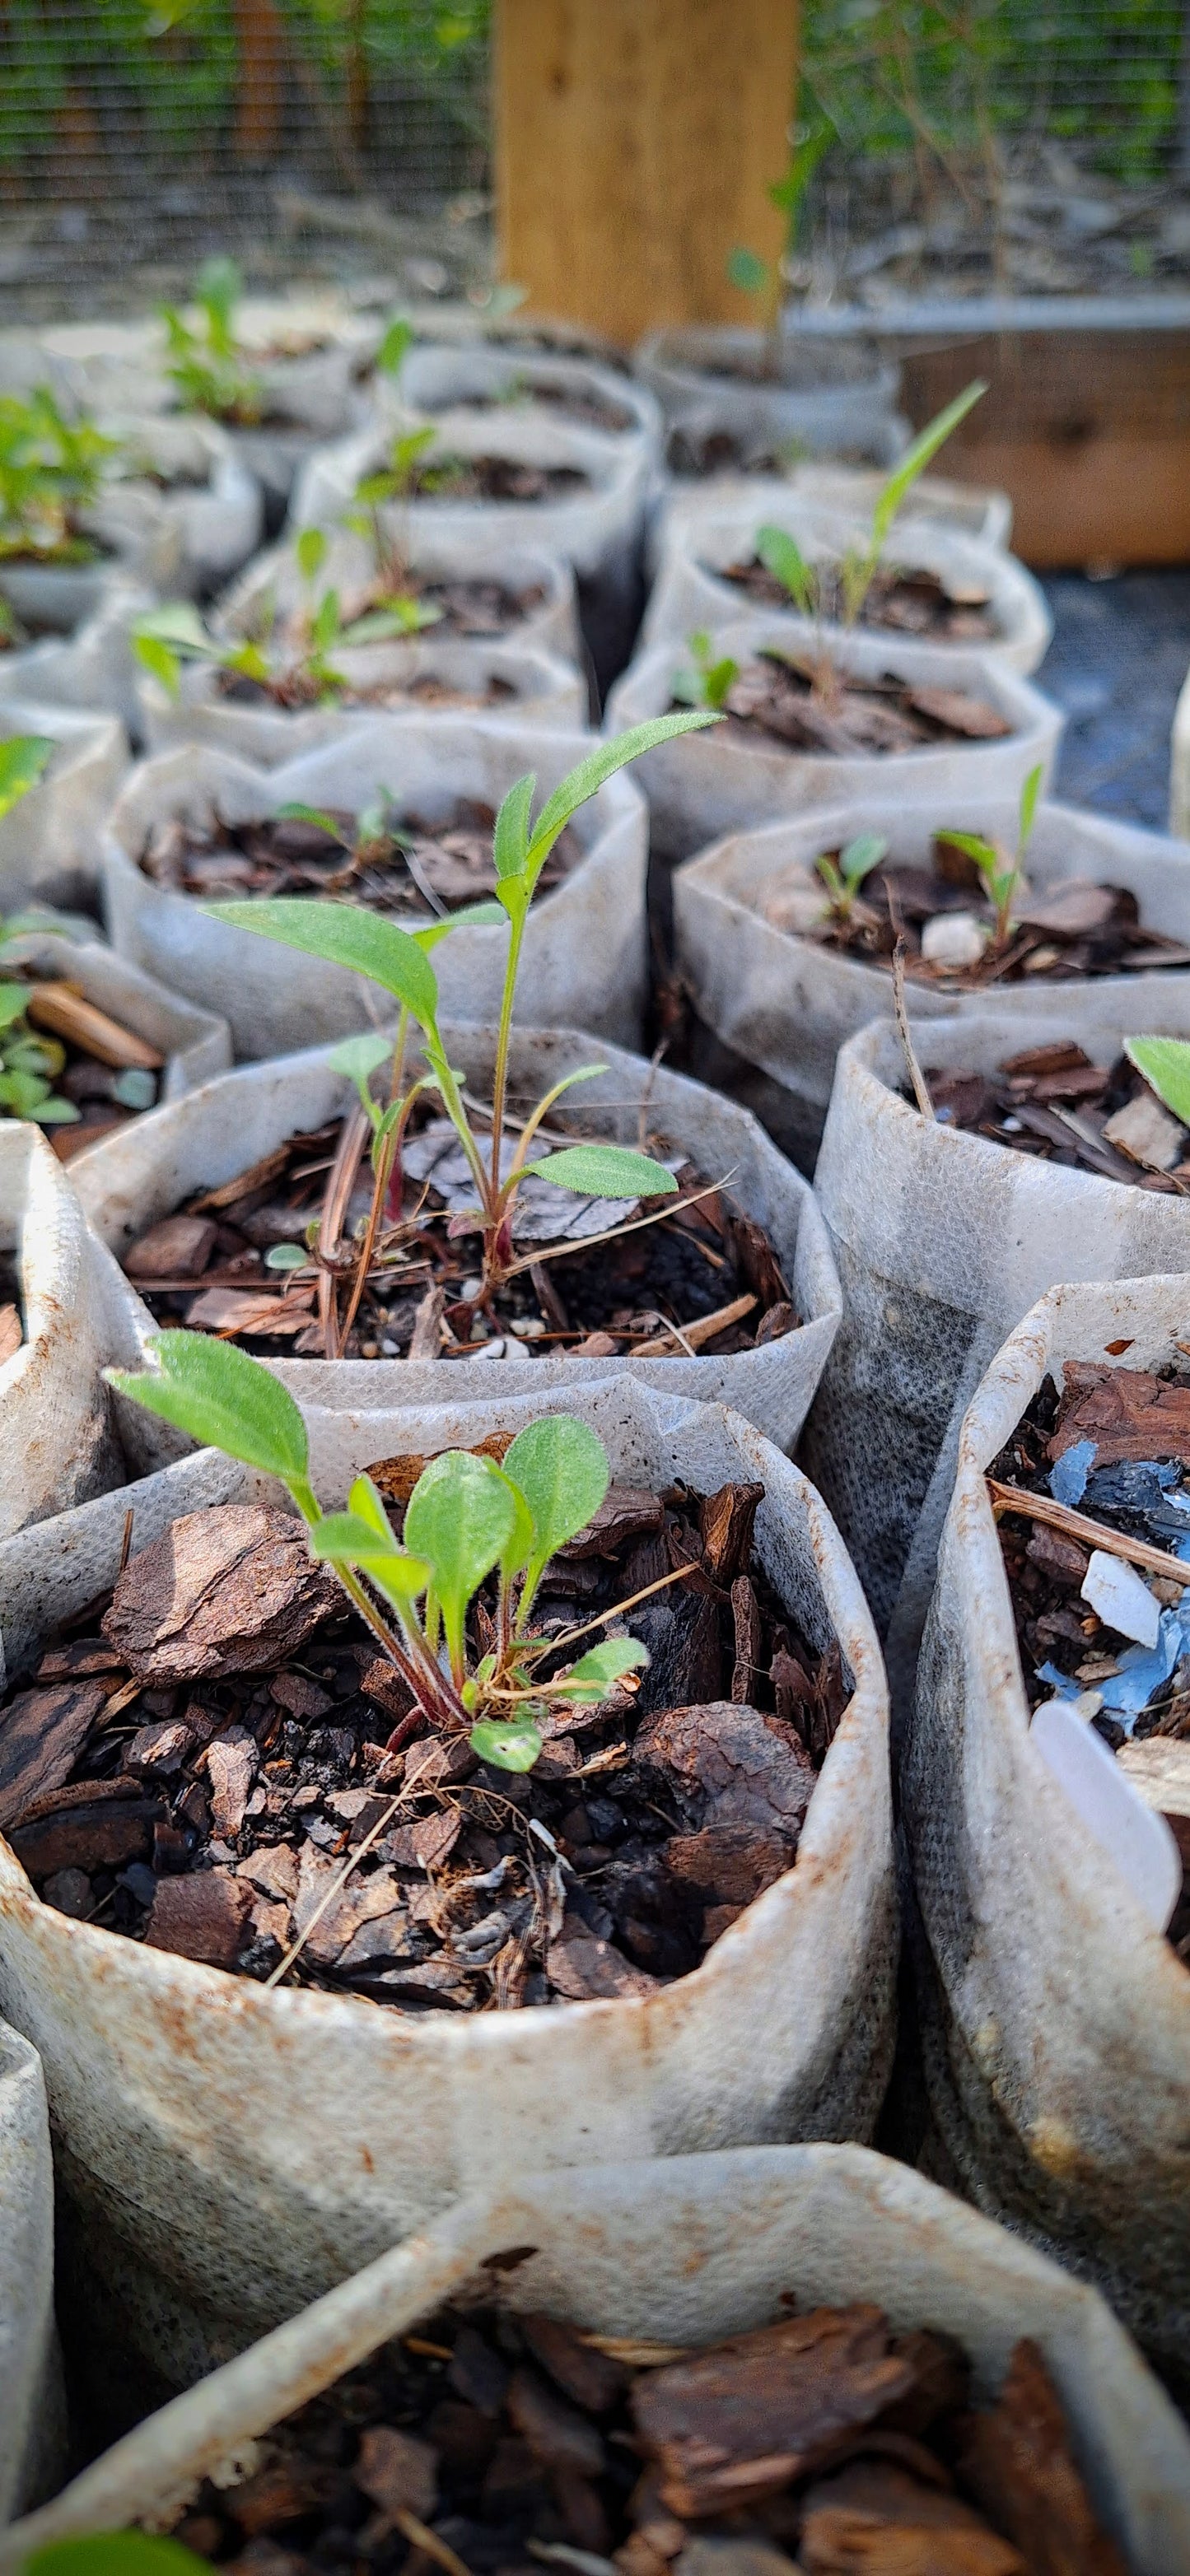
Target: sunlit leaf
x: 224, y: 1399
x: 783, y: 557
x: 1029, y: 796
x: 310, y: 551
x: 917, y: 457
x: 1165, y: 1064
x: 114, y: 2553
x: 507, y: 1748
x: 344, y: 935
x: 593, y: 1676
x: 22, y: 761
x: 593, y: 773
x: 460, y: 1518
x: 560, y: 1467
x: 605, y: 1172
x: 510, y: 848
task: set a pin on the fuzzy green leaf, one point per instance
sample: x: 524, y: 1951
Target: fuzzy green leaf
x: 160, y: 661
x: 507, y: 1748
x: 310, y: 551
x: 605, y: 1172
x: 1165, y: 1064
x: 861, y: 856
x: 783, y: 557
x: 592, y: 1677
x: 395, y: 346
x: 560, y: 1467
x: 510, y: 848
x: 13, y: 998
x: 470, y: 916
x: 345, y: 935
x: 916, y: 458
x: 359, y: 1057
x: 114, y: 2553
x: 315, y: 814
x: 460, y: 1519
x: 593, y: 773
x: 286, y: 1256
x: 22, y: 760
x: 225, y: 1400
x: 1030, y: 793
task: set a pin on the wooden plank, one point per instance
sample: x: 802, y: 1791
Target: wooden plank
x: 635, y: 141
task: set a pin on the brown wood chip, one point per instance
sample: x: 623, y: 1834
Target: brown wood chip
x: 397, y: 2472
x: 11, y: 1332
x: 587, y: 1970
x: 726, y: 1521
x: 93, y: 1832
x: 742, y: 2420
x: 1017, y: 2460
x: 971, y: 717
x: 230, y: 1590
x: 202, y: 1917
x: 178, y: 1248
x: 729, y: 1765
x: 627, y: 1511
x: 269, y: 1168
x: 1126, y: 1412
x: 396, y: 1477
x: 63, y: 1010
x: 42, y: 1733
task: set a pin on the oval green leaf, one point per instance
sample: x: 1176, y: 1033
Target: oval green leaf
x: 225, y: 1400
x: 460, y: 1518
x: 596, y: 1671
x: 1165, y: 1064
x: 22, y: 759
x: 605, y: 1172
x: 345, y: 935
x: 507, y: 1748
x: 560, y: 1466
x: 115, y: 2553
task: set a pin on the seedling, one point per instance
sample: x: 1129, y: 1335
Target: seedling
x: 758, y: 277
x: 391, y: 489
x: 466, y: 1519
x: 705, y: 682
x: 1165, y: 1064
x: 399, y: 961
x: 207, y: 363
x: 1003, y: 876
x: 844, y: 879
x: 296, y: 665
x: 51, y: 469
x: 114, y: 2553
x: 807, y: 584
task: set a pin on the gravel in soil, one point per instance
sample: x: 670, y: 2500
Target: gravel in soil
x: 911, y: 602
x: 1107, y: 1461
x: 1072, y: 927
x: 414, y: 865
x: 1053, y: 1102
x: 198, y: 1765
x: 706, y: 1268
x: 778, y: 697
x: 490, y: 2442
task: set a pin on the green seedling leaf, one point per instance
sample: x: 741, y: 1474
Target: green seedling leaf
x: 217, y: 289
x: 592, y: 1677
x: 57, y: 1113
x: 593, y: 773
x: 310, y: 551
x: 560, y: 1467
x: 22, y: 762
x: 358, y: 1059
x: 248, y: 659
x: 286, y: 1256
x: 114, y: 2553
x: 395, y: 346
x: 325, y: 630
x: 367, y: 1502
x: 135, y: 1088
x: 342, y: 1538
x: 23, y: 1093
x: 519, y: 1548
x: 605, y: 1172
x: 160, y: 661
x: 470, y: 916
x: 507, y: 1748
x: 781, y: 556
x: 1030, y: 793
x: 378, y: 626
x: 1165, y: 1064
x: 177, y: 622
x: 901, y: 481
x: 510, y: 848
x: 13, y: 998
x: 985, y: 854
x: 314, y: 814
x: 345, y: 935
x: 861, y: 856
x: 225, y: 1400
x: 460, y: 1518
x: 748, y: 271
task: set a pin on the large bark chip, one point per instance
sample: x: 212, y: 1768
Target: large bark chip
x: 230, y: 1590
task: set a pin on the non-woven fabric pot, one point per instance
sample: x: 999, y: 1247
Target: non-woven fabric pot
x: 1055, y: 2018
x: 702, y: 433
x: 273, y: 585
x: 194, y: 1043
x: 1179, y: 765
x: 32, y: 2405
x: 233, y: 1121
x: 700, y: 786
x: 691, y: 589
x: 788, y: 1005
x: 532, y: 688
x: 184, y: 513
x: 584, y: 953
x: 84, y: 623
x: 61, y: 1440
x: 448, y: 384
x: 943, y: 1241
x: 209, y: 2189
x: 49, y: 842
x: 976, y: 509
x: 682, y: 2252
x: 829, y: 400
x: 597, y: 528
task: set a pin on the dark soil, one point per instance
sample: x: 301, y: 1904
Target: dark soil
x: 910, y: 602
x: 494, y: 478
x: 480, y: 608
x: 1072, y: 927
x: 1113, y: 1449
x: 295, y: 689
x: 419, y: 867
x: 588, y: 410
x: 696, y: 454
x: 205, y: 1265
x: 775, y: 698
x: 1054, y: 1103
x: 519, y: 2440
x: 195, y: 1767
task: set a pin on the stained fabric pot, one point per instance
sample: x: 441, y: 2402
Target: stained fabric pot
x: 273, y: 584
x: 828, y: 400
x: 185, y: 513
x: 712, y: 785
x: 943, y: 1242
x: 1055, y: 2019
x: 584, y: 953
x: 60, y: 1435
x: 84, y: 620
x: 209, y: 2193
x: 195, y: 1044
x: 597, y: 526
x: 691, y: 589
x: 49, y: 841
x: 788, y: 1005
x: 455, y: 384
x: 684, y: 2252
x: 32, y: 2405
x: 132, y: 1180
x: 501, y: 681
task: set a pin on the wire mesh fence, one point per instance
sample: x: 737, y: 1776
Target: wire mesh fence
x: 142, y: 132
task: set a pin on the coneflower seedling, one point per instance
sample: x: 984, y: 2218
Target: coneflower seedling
x: 844, y: 878
x: 1003, y: 875
x: 705, y: 683
x: 206, y: 363
x: 295, y: 663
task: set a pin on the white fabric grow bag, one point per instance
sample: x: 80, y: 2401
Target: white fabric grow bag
x: 32, y: 2407
x: 541, y: 691
x: 977, y: 509
x: 194, y: 1043
x: 691, y: 590
x: 137, y: 1177
x: 214, y: 2194
x: 60, y: 1440
x: 584, y: 952
x: 49, y: 843
x: 943, y: 1242
x: 84, y: 657
x: 682, y: 2252
x: 1056, y: 2021
x: 447, y: 384
x: 192, y: 529
x: 828, y: 399
x: 1179, y: 765
x: 273, y: 584
x: 700, y: 786
x: 598, y: 529
x: 788, y: 1005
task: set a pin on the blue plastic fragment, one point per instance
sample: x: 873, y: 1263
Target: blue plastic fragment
x: 1068, y: 1475
x: 1062, y: 1685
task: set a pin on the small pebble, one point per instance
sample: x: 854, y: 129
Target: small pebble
x: 953, y: 939
x: 528, y: 1328
x: 69, y: 1892
x: 493, y: 1349
x: 471, y: 1288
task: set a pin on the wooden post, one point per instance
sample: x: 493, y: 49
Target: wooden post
x: 635, y: 141
x: 260, y: 47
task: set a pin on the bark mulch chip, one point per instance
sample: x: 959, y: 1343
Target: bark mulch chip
x: 199, y: 1773
x: 414, y: 865
x: 1055, y: 1103
x: 911, y: 602
x: 826, y: 2442
x: 778, y: 698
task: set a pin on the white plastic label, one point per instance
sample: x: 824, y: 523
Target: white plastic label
x: 1137, y: 1840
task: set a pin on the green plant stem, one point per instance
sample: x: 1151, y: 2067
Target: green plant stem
x: 503, y: 1040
